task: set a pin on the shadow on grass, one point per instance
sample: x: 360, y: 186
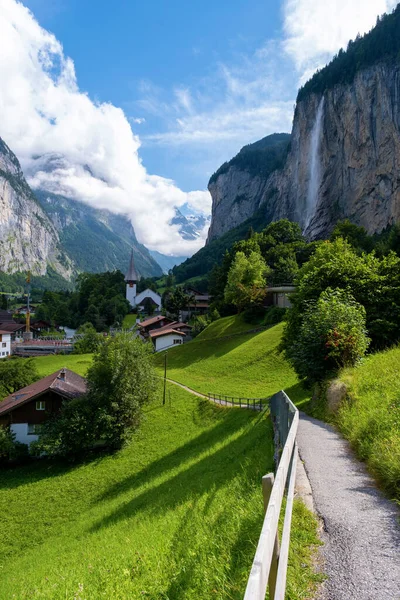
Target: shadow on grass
x: 213, y: 470
x: 299, y: 395
x: 230, y: 421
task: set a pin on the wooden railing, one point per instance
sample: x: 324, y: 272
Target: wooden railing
x: 251, y: 403
x: 270, y: 562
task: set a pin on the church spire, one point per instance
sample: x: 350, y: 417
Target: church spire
x: 131, y: 276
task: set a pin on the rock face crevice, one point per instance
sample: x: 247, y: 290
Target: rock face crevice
x: 358, y: 163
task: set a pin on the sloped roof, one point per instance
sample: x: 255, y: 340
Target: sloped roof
x: 131, y: 274
x: 11, y: 327
x: 6, y: 317
x: 164, y: 331
x: 71, y: 386
x: 153, y: 320
x: 174, y: 325
x: 4, y: 332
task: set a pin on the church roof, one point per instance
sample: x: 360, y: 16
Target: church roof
x: 131, y: 274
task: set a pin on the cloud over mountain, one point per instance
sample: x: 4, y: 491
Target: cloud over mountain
x: 69, y: 144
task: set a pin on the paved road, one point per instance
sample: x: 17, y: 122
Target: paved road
x: 361, y: 529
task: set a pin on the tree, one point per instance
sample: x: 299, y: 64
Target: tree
x: 121, y: 381
x: 246, y: 280
x: 88, y: 340
x: 332, y: 335
x: 176, y: 301
x: 16, y: 373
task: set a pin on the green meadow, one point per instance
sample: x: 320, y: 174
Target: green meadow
x: 176, y: 514
x: 225, y: 359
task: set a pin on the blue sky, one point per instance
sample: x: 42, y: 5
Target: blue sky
x: 142, y: 101
x: 127, y: 50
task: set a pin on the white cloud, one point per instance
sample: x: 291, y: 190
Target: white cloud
x: 43, y: 111
x: 315, y: 31
x: 236, y: 105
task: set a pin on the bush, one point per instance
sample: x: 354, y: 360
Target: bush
x: 10, y: 450
x: 274, y: 315
x: 254, y: 314
x: 88, y: 341
x: 331, y: 336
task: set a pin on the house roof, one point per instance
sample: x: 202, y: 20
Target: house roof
x: 153, y: 320
x: 199, y: 305
x: 174, y: 325
x: 11, y: 327
x: 3, y: 332
x: 71, y: 386
x: 164, y: 331
x: 6, y: 317
x: 131, y: 274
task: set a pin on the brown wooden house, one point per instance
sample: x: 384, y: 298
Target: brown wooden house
x: 27, y: 409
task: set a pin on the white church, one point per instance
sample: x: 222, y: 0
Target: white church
x: 137, y: 300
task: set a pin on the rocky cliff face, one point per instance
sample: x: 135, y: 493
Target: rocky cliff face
x: 344, y: 162
x: 42, y: 229
x: 28, y: 239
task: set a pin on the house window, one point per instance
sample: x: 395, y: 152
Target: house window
x: 4, y: 345
x: 34, y: 429
x: 177, y: 341
x: 40, y: 405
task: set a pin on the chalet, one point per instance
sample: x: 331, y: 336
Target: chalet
x: 22, y: 310
x: 153, y: 323
x: 5, y: 343
x: 17, y: 330
x: 25, y: 411
x: 199, y: 304
x: 6, y: 317
x: 166, y: 338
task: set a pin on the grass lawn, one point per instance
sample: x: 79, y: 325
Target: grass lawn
x: 176, y: 514
x: 76, y: 362
x: 247, y: 365
x: 129, y: 321
x: 226, y: 326
x: 370, y: 418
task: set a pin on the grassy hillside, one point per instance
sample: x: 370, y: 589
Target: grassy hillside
x: 246, y: 364
x: 177, y: 514
x: 76, y: 362
x: 370, y: 418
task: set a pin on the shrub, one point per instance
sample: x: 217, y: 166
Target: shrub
x: 331, y: 336
x: 254, y: 314
x: 274, y: 315
x: 10, y: 450
x: 89, y: 340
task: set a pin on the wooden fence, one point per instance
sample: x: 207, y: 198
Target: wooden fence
x: 270, y: 562
x: 251, y: 403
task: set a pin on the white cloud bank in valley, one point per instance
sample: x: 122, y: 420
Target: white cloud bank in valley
x: 43, y: 111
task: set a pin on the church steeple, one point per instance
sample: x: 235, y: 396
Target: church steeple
x: 130, y: 280
x: 131, y: 276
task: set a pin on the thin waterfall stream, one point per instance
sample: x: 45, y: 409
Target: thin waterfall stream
x: 314, y: 165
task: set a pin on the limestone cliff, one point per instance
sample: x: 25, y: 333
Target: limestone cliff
x: 344, y: 155
x: 28, y: 240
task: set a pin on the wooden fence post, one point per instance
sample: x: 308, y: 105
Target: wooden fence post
x: 267, y: 484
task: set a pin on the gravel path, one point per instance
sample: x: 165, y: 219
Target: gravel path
x: 361, y: 529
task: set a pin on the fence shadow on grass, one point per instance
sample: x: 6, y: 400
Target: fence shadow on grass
x: 252, y: 448
x: 229, y: 422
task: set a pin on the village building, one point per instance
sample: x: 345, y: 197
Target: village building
x: 26, y: 410
x: 139, y: 301
x: 166, y: 338
x: 279, y: 295
x: 153, y: 323
x: 199, y: 304
x: 5, y: 343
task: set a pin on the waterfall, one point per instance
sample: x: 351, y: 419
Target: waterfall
x: 314, y: 165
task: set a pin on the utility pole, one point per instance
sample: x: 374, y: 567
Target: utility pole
x: 165, y: 376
